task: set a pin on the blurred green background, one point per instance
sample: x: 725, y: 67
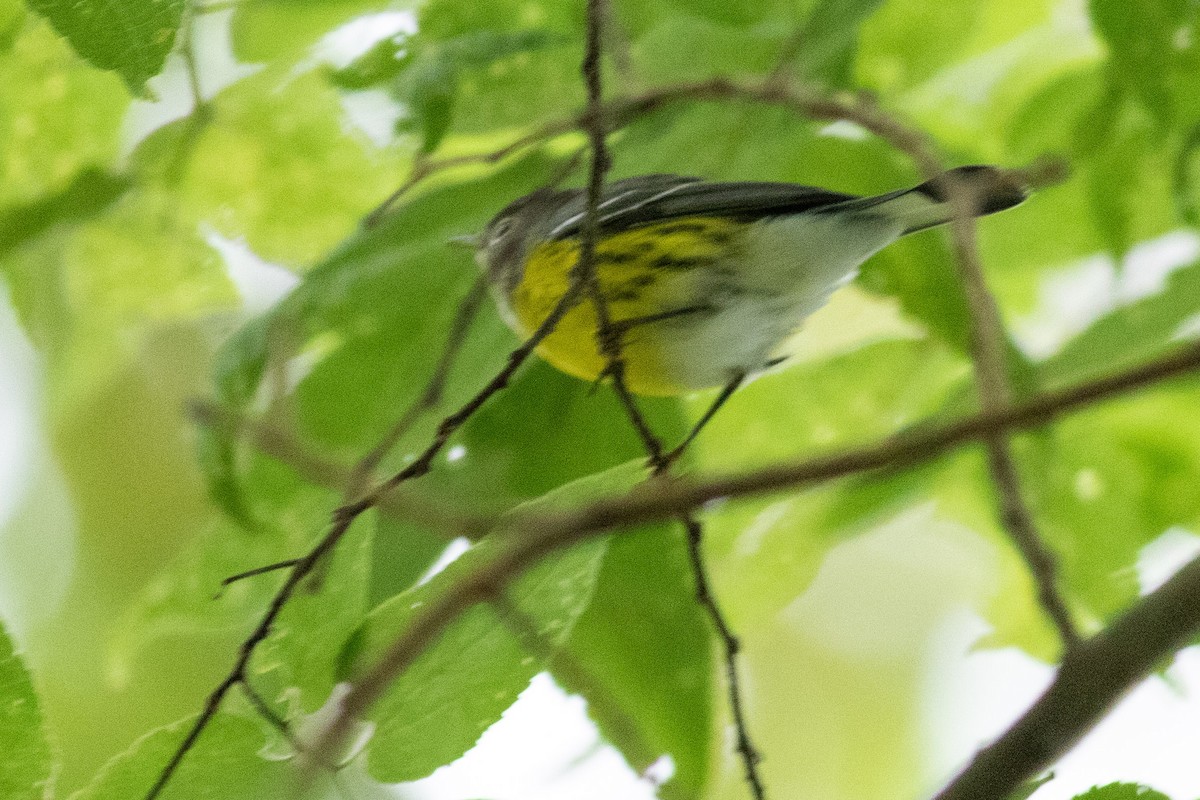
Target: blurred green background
x: 154, y: 250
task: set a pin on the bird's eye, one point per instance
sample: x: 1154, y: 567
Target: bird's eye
x: 500, y: 230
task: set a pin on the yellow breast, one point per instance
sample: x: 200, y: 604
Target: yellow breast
x: 643, y: 272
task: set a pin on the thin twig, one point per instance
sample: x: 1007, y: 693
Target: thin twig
x: 264, y: 710
x: 431, y: 397
x: 429, y: 166
x: 237, y: 674
x: 263, y: 570
x: 988, y: 343
x: 731, y: 646
x: 610, y: 346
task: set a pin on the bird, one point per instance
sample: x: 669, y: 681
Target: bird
x: 704, y: 282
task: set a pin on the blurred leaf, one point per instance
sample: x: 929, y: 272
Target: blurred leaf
x: 829, y: 37
x: 346, y: 296
x: 393, y: 56
x: 1143, y: 41
x: 1131, y: 334
x: 770, y: 549
x: 433, y: 85
x: 425, y: 75
x: 1186, y: 183
x: 91, y: 191
x: 26, y: 760
x: 1108, y: 481
x: 401, y: 553
x: 969, y: 106
x: 275, y: 166
x: 905, y: 42
x: 58, y: 116
x: 12, y: 20
x: 460, y: 684
x: 282, y: 30
x: 223, y: 765
x: 647, y: 676
x: 712, y: 49
x: 130, y: 37
x: 1121, y: 791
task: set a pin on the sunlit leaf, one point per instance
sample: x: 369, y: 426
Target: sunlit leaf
x: 131, y: 37
x: 1144, y: 41
x: 459, y: 686
x: 647, y: 677
x: 225, y: 763
x: 26, y: 760
x: 1121, y: 791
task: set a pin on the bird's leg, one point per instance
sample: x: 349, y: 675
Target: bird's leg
x: 725, y: 394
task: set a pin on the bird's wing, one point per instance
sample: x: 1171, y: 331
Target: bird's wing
x: 651, y: 198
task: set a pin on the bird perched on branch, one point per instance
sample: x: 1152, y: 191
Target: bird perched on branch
x: 704, y: 283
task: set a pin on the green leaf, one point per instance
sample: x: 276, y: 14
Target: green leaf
x: 1131, y: 334
x: 1106, y: 482
x: 426, y: 75
x: 647, y: 676
x: 462, y: 683
x: 130, y: 37
x: 90, y: 192
x: 1143, y: 42
x: 26, y: 759
x: 187, y: 600
x: 274, y: 166
x: 433, y: 84
x: 830, y: 36
x: 713, y: 49
x: 58, y: 116
x: 547, y: 428
x: 1121, y: 791
x: 281, y: 31
x: 905, y: 42
x: 224, y: 764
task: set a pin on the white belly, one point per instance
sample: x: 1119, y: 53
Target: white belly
x: 789, y: 269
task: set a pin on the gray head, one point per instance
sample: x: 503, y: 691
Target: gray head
x: 511, y: 234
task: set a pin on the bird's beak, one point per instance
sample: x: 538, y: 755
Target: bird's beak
x: 466, y: 240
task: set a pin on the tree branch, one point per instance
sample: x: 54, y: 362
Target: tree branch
x: 1094, y: 676
x: 528, y: 538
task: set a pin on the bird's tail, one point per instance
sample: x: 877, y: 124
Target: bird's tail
x: 928, y: 204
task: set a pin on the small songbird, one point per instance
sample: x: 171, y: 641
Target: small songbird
x: 705, y: 282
